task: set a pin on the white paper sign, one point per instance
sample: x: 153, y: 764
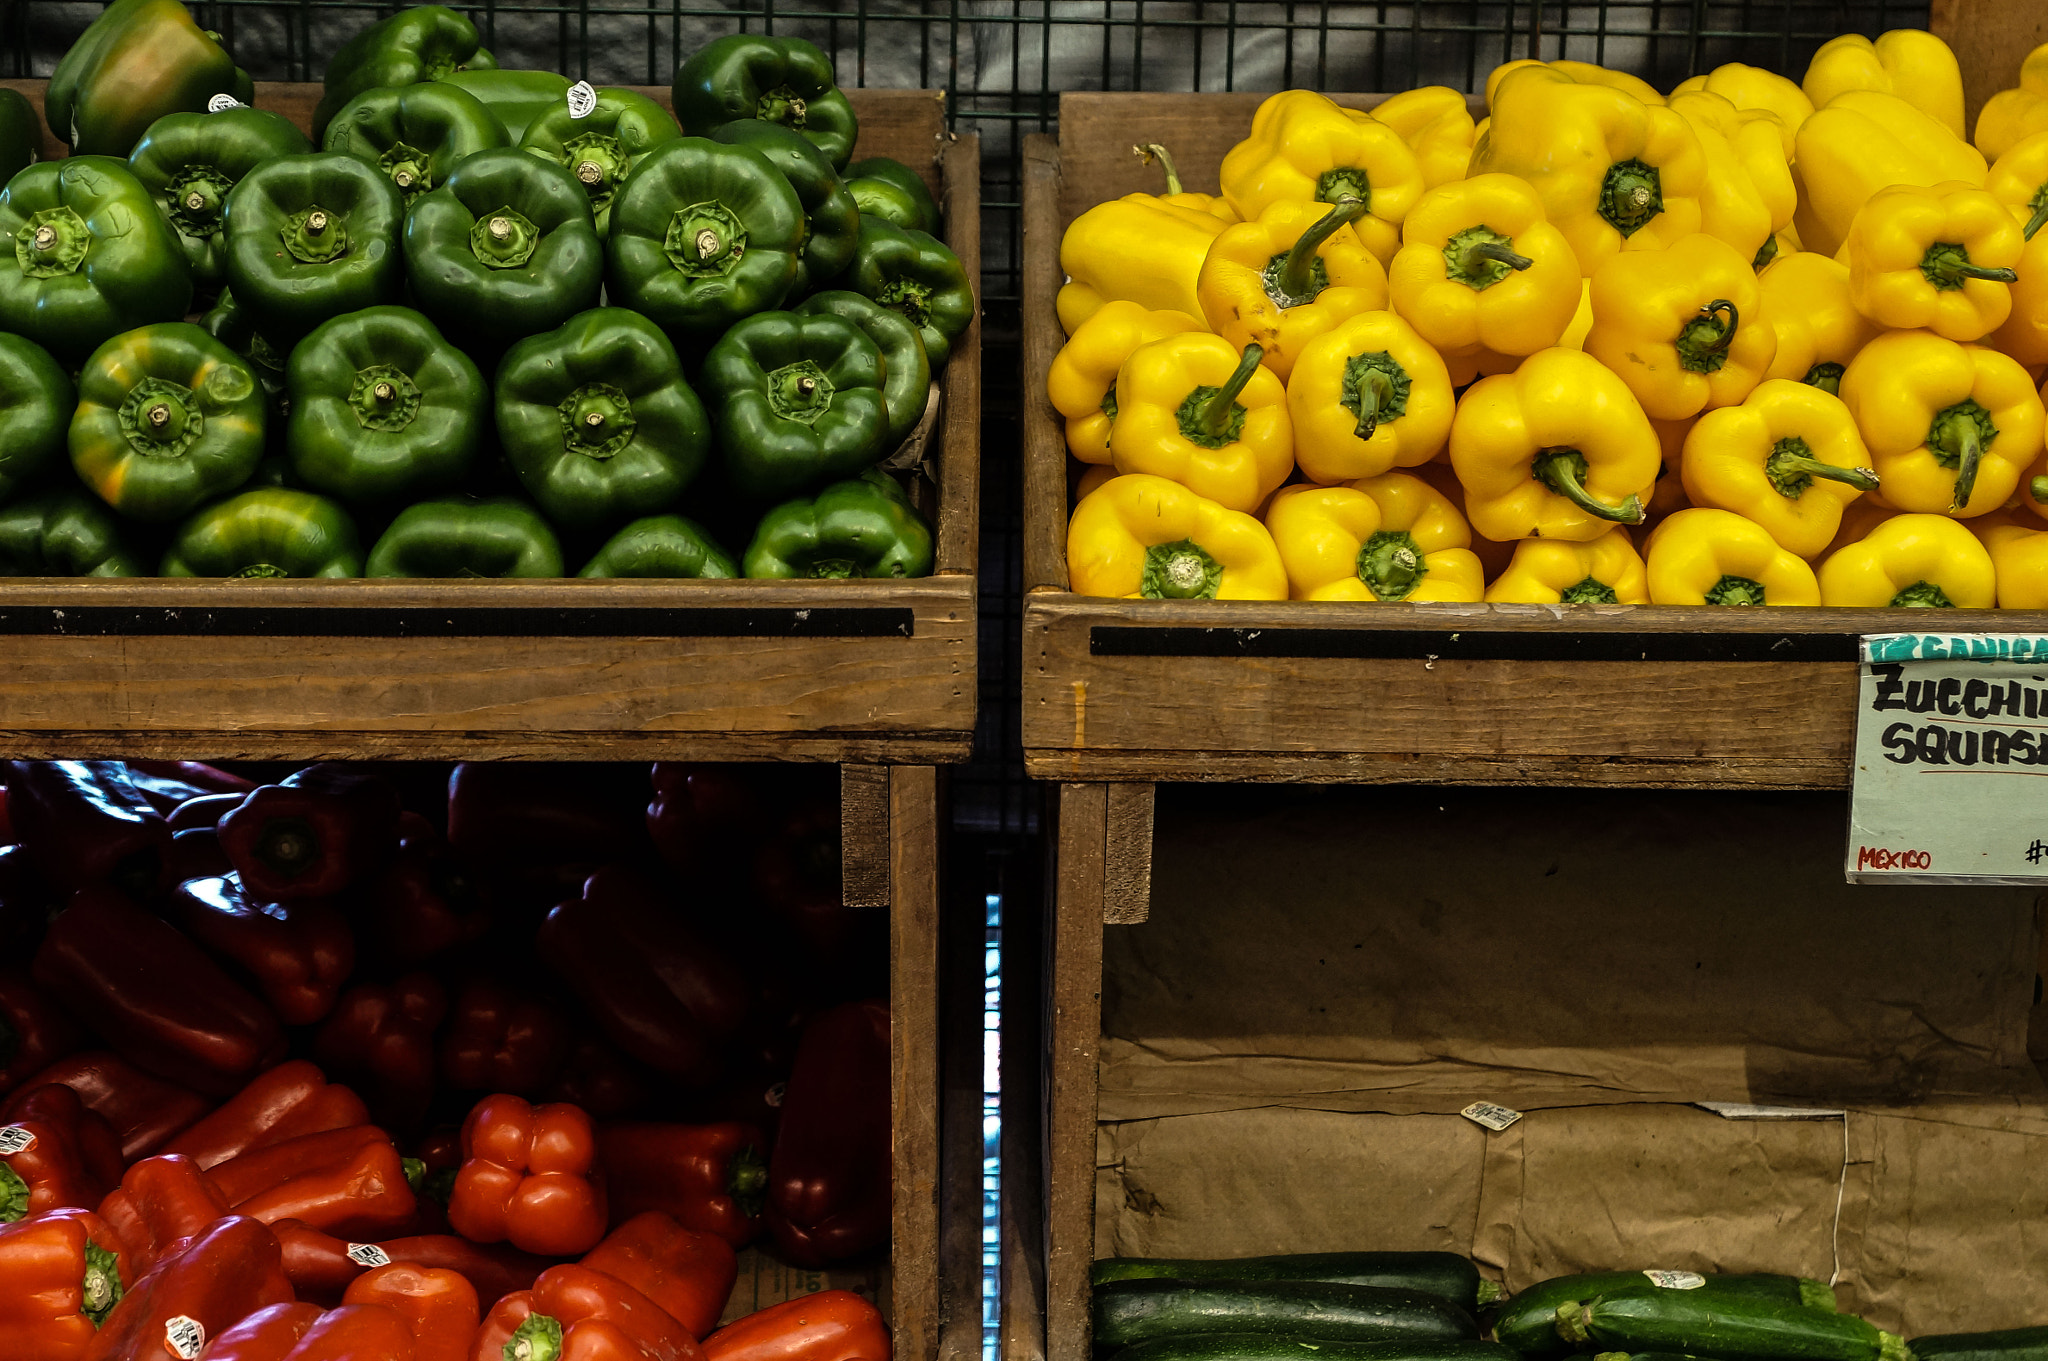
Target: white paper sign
x: 1951, y: 733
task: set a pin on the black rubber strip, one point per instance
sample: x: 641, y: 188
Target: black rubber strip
x: 1470, y: 645
x: 494, y: 621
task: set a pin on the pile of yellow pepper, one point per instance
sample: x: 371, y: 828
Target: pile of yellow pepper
x: 1753, y: 342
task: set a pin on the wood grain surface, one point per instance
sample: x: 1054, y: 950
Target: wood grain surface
x: 914, y: 1041
x: 1074, y: 1010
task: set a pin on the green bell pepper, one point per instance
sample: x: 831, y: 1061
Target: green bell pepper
x: 423, y: 42
x: 189, y: 161
x: 63, y: 533
x: 138, y: 61
x: 893, y: 192
x: 505, y: 249
x: 662, y: 546
x: 312, y: 237
x: 91, y: 257
x: 597, y: 421
x: 832, y: 216
x: 416, y: 134
x: 383, y: 409
x: 865, y: 527
x: 796, y: 400
x: 168, y: 419
x: 778, y: 80
x: 914, y: 273
x: 21, y: 134
x: 270, y: 532
x: 702, y: 235
x: 36, y: 399
x: 906, y: 373
x: 228, y: 323
x: 464, y: 536
x: 602, y: 146
x: 515, y: 98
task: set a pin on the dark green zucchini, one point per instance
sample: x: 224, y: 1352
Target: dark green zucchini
x: 1701, y: 1323
x: 1266, y: 1347
x: 2014, y: 1344
x: 1433, y: 1273
x: 1126, y: 1312
x: 1528, y: 1321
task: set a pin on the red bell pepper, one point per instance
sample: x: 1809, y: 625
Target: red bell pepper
x: 505, y: 812
x: 6, y: 823
x: 27, y: 902
x: 528, y: 1178
x: 832, y: 1325
x: 830, y: 1179
x: 381, y: 1038
x: 155, y: 997
x: 499, y: 1040
x: 161, y: 1204
x: 576, y: 1314
x: 203, y: 812
x: 87, y: 1131
x: 298, y: 953
x: 687, y: 1273
x: 196, y: 854
x: 291, y: 1099
x: 225, y: 1275
x: 699, y: 813
x: 85, y: 823
x: 662, y: 990
x: 421, y: 906
x: 711, y: 1178
x: 266, y: 1335
x: 61, y: 1274
x: 142, y: 1113
x: 439, y: 1307
x: 34, y: 1031
x: 41, y: 1169
x: 356, y: 1332
x: 322, y: 829
x: 195, y: 776
x: 602, y: 1080
x: 796, y: 877
x: 348, y: 1182
x: 495, y: 1269
x: 321, y: 1266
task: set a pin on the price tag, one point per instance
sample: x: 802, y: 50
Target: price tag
x: 582, y: 100
x: 184, y: 1337
x: 1951, y: 733
x: 369, y: 1255
x: 221, y: 103
x: 14, y: 1139
x: 1495, y: 1118
x: 1676, y: 1280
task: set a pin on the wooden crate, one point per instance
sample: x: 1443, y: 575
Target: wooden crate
x: 873, y: 671
x: 1518, y: 694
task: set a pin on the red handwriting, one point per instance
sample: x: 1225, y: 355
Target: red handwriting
x: 1878, y: 858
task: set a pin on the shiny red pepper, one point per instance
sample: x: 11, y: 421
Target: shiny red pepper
x: 576, y: 1314
x: 297, y: 953
x: 196, y: 854
x: 831, y: 1175
x: 161, y: 1204
x: 34, y: 1031
x: 196, y: 776
x: 421, y: 906
x: 321, y: 830
x: 689, y: 1274
x: 712, y: 1178
x: 321, y: 1266
x: 291, y: 1099
x: 699, y: 813
x: 528, y: 1178
x: 85, y: 823
x: 439, y: 1307
x: 266, y: 1335
x: 224, y: 1275
x: 661, y: 988
x: 602, y: 1080
x: 6, y: 823
x: 347, y: 1182
x: 41, y: 1170
x: 832, y: 1325
x: 380, y: 1038
x: 500, y: 1040
x: 141, y: 1113
x: 353, y: 1332
x: 87, y: 1131
x: 61, y: 1274
x: 203, y: 812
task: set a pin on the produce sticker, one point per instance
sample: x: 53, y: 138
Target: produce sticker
x: 1951, y: 740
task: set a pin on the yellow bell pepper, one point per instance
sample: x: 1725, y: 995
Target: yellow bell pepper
x: 1436, y: 123
x: 1859, y: 144
x: 1175, y: 196
x: 1613, y: 172
x: 1912, y: 561
x: 1293, y: 275
x: 1715, y: 557
x: 1789, y: 458
x: 1082, y: 380
x: 2019, y: 180
x: 1950, y: 427
x: 1806, y: 299
x: 1369, y: 396
x: 1908, y: 62
x: 1092, y: 476
x: 1752, y: 87
x: 1141, y: 537
x: 1142, y: 252
x: 1748, y: 193
x: 1582, y: 72
x: 1192, y: 409
x: 2019, y: 559
x: 1938, y: 258
x: 2011, y: 115
x: 1861, y: 516
x: 1558, y: 449
x: 1307, y: 146
x: 1480, y: 267
x: 1681, y: 326
x: 1602, y: 571
x: 2025, y: 333
x: 1386, y: 538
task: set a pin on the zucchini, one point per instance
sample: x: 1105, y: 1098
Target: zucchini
x: 1126, y: 1312
x: 2014, y: 1344
x: 1266, y: 1347
x: 1700, y: 1323
x: 1528, y: 1321
x: 1445, y: 1274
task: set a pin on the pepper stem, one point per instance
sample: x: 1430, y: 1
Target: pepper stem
x: 748, y: 1180
x: 1149, y: 152
x: 1825, y: 376
x: 13, y: 1195
x: 1182, y: 570
x: 1390, y: 564
x: 1563, y: 470
x: 2038, y: 489
x: 1588, y: 591
x: 537, y: 1339
x: 1957, y: 439
x: 1495, y: 251
x: 1947, y: 264
x: 1734, y: 590
x: 2039, y: 203
x: 288, y: 846
x: 1297, y: 276
x: 1791, y: 468
x: 1922, y: 595
x: 1703, y: 341
x: 1375, y: 394
x: 1212, y: 414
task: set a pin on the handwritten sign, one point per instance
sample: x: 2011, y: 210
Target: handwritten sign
x: 1951, y: 734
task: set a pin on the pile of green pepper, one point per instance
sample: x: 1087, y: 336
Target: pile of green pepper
x: 482, y: 323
